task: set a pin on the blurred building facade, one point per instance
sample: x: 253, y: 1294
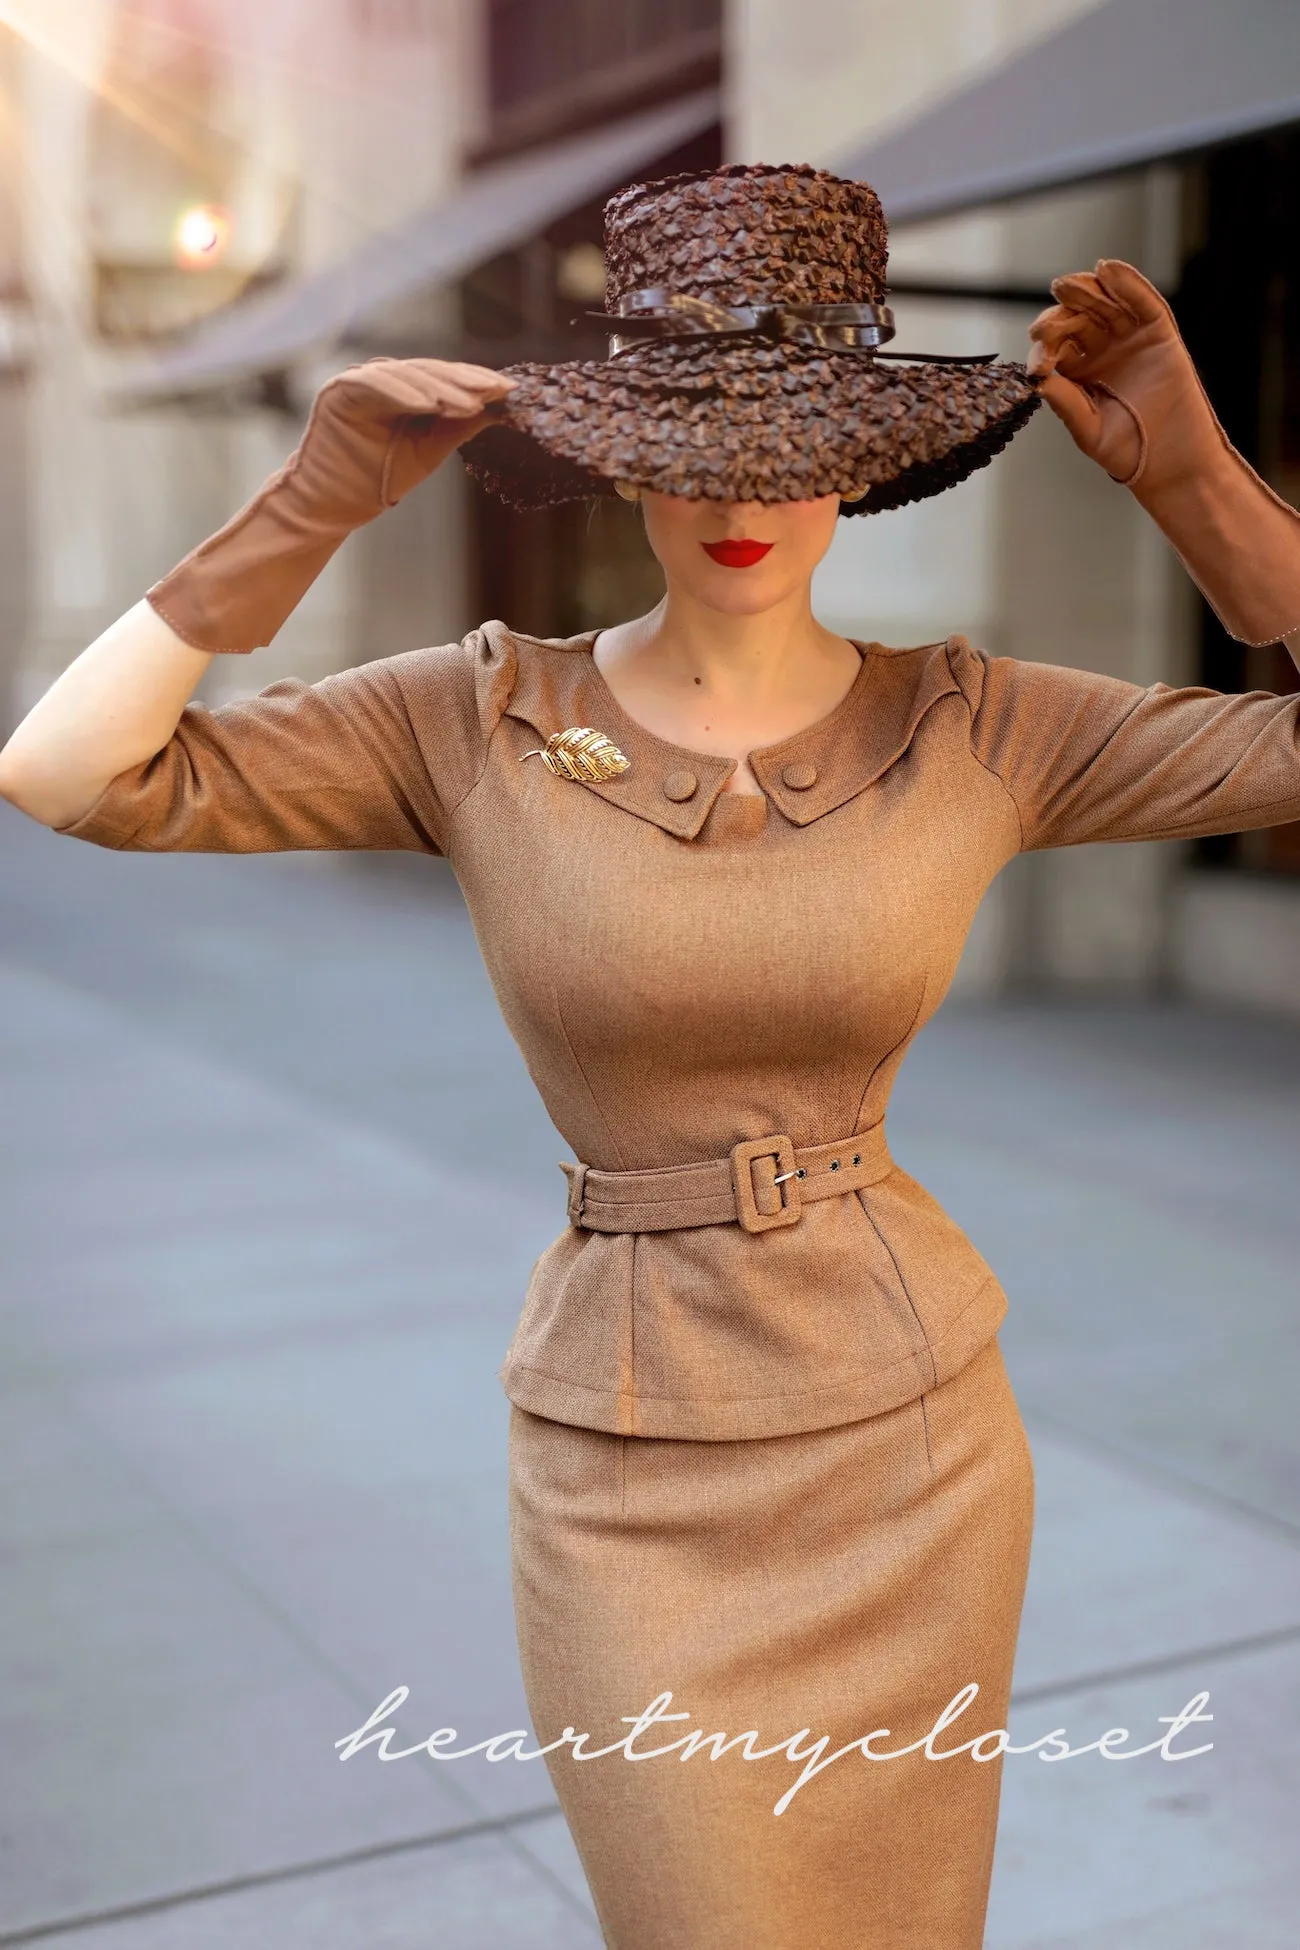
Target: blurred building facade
x: 1039, y: 556
x: 310, y: 128
x: 307, y: 125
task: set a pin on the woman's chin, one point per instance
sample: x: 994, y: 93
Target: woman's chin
x: 739, y: 592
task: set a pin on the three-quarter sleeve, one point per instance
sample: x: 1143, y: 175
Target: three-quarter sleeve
x: 1087, y: 757
x: 335, y: 764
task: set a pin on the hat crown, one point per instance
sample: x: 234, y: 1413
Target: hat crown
x: 793, y: 233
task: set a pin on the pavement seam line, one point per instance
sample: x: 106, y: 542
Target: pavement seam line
x: 268, y: 1878
x: 1192, y: 1490
x: 1145, y: 1668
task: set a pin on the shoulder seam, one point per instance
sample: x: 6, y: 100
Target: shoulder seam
x: 983, y: 763
x: 477, y: 780
x: 487, y: 742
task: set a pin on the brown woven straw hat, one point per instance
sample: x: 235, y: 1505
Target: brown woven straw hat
x: 749, y: 361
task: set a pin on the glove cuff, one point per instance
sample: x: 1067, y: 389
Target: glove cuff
x: 1240, y: 543
x: 232, y: 593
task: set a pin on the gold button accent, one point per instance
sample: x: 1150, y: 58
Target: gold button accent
x: 800, y: 777
x: 680, y: 785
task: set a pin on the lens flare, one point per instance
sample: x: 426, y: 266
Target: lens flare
x: 201, y: 235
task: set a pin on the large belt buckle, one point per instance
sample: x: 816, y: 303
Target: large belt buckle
x: 780, y: 1191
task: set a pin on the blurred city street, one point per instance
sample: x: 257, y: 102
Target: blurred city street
x: 274, y: 1176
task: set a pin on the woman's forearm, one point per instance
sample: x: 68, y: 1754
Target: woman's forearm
x: 1239, y: 542
x: 112, y: 709
x: 375, y: 431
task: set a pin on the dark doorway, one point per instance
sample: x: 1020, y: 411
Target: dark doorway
x: 1239, y: 309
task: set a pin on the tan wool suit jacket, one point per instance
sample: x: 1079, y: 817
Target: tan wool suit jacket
x: 686, y: 968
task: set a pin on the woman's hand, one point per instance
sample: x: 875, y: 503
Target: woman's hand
x: 375, y: 432
x: 1113, y: 367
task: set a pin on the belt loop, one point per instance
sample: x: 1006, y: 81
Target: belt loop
x: 577, y: 1177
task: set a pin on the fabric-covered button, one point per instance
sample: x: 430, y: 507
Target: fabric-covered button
x: 800, y: 777
x: 680, y: 785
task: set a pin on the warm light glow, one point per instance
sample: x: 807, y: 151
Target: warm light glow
x: 201, y: 235
x: 580, y: 274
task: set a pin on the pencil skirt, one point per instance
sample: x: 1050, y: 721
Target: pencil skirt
x: 831, y: 1583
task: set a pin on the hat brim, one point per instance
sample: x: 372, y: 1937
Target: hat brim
x: 752, y: 422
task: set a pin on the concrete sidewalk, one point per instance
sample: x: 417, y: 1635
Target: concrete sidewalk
x: 255, y: 1293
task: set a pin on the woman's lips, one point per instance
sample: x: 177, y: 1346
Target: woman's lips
x: 737, y: 555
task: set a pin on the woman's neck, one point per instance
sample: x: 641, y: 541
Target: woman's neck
x: 723, y: 684
x: 750, y: 655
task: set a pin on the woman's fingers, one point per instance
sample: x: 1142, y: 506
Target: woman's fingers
x: 1094, y: 313
x: 1116, y: 294
x: 1081, y: 291
x: 1127, y: 286
x: 1076, y: 407
x: 456, y: 402
x: 1073, y: 342
x: 430, y: 441
x: 1053, y: 327
x: 424, y: 386
x: 1102, y: 424
x: 479, y: 378
x: 426, y: 440
x: 440, y: 375
x: 1062, y: 339
x: 1087, y: 340
x: 1043, y: 358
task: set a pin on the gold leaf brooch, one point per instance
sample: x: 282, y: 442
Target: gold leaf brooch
x: 581, y: 754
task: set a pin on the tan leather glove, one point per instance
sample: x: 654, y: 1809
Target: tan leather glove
x: 1112, y: 365
x: 375, y: 432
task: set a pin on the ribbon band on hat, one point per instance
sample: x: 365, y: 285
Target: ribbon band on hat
x: 752, y: 360
x: 657, y: 314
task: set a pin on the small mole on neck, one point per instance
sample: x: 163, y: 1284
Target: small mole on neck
x: 699, y: 680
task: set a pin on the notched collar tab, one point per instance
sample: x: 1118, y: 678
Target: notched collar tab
x: 830, y: 763
x: 557, y: 685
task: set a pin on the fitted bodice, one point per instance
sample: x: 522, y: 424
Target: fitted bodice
x: 674, y: 996
x: 685, y: 968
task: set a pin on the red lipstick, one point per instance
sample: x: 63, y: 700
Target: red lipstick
x: 737, y: 555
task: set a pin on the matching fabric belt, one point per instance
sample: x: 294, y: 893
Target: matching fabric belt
x: 763, y: 1182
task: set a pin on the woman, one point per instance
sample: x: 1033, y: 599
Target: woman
x: 721, y: 861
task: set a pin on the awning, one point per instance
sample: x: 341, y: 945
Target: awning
x: 487, y: 213
x: 1127, y: 83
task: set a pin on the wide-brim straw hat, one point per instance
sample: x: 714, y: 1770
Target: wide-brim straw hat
x: 749, y: 362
